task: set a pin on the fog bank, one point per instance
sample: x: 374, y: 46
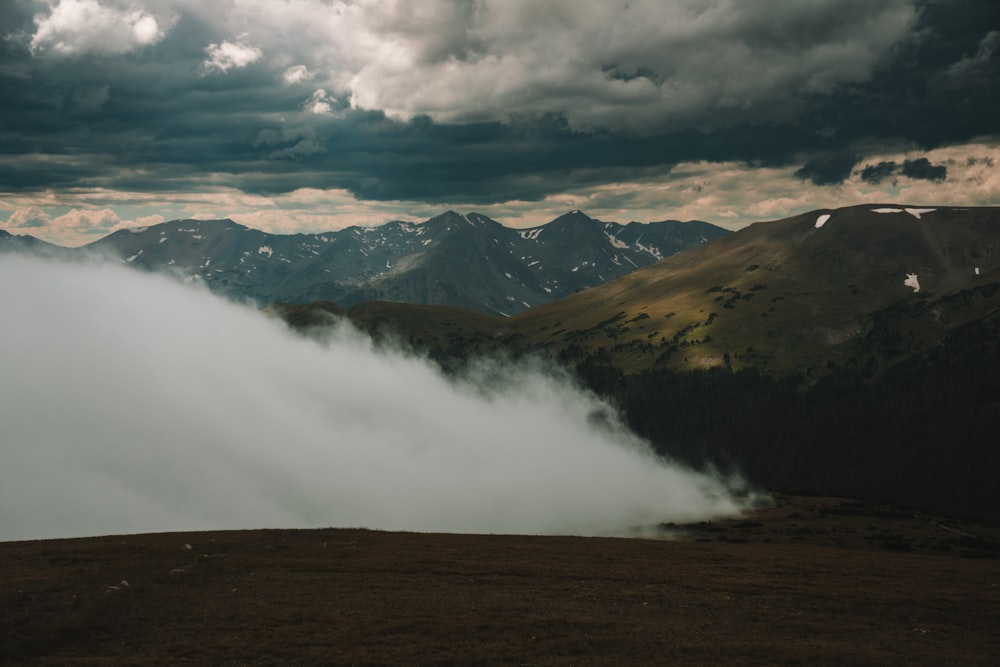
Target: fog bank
x: 132, y: 403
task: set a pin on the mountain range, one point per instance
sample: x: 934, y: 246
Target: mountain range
x: 851, y: 351
x: 452, y: 259
x: 860, y: 286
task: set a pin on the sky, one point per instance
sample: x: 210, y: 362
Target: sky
x: 312, y: 115
x: 166, y: 408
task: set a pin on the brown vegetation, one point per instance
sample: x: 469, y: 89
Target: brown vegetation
x: 810, y: 581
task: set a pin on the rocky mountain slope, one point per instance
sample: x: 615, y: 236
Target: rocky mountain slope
x: 861, y: 287
x: 452, y: 259
x: 853, y: 351
x: 818, y: 289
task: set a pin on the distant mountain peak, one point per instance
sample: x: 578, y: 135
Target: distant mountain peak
x: 575, y: 215
x: 451, y: 259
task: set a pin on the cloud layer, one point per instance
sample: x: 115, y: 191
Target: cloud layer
x: 133, y: 403
x: 483, y: 103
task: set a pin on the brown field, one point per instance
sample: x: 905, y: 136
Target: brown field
x: 810, y: 581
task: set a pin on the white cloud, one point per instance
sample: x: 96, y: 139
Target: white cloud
x: 296, y: 74
x: 227, y: 55
x: 29, y: 217
x: 88, y: 222
x: 145, y: 221
x: 163, y: 408
x: 73, y: 228
x: 617, y: 64
x: 320, y: 103
x: 73, y: 27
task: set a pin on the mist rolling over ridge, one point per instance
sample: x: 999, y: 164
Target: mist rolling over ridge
x: 132, y: 403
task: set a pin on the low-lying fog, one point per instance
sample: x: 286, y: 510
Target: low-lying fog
x: 130, y: 402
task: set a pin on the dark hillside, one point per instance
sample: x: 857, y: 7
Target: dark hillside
x: 922, y: 433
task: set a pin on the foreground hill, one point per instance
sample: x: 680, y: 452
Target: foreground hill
x: 452, y: 259
x: 799, y: 352
x: 811, y: 580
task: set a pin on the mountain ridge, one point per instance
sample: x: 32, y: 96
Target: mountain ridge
x: 454, y: 259
x: 802, y: 294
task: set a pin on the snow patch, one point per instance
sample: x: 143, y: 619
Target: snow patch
x: 911, y: 281
x: 265, y: 250
x: 821, y: 220
x: 137, y: 230
x: 531, y: 234
x: 196, y: 236
x: 915, y: 212
x: 133, y: 257
x: 162, y: 239
x: 621, y: 245
x: 977, y: 270
x: 652, y: 251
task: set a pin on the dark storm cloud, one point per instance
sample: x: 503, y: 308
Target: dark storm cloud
x: 876, y: 173
x: 472, y: 116
x: 920, y: 168
x: 829, y: 170
x: 905, y: 99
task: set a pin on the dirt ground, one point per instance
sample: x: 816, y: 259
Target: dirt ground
x: 809, y: 581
